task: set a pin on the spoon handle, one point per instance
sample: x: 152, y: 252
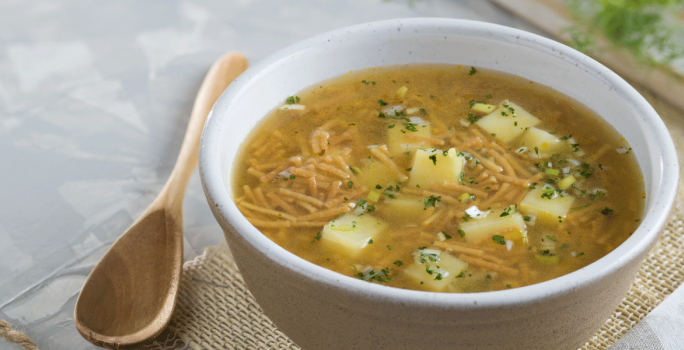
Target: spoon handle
x: 220, y: 75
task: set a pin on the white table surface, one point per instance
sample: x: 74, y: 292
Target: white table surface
x: 94, y: 101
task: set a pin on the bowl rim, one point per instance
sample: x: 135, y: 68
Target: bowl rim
x: 225, y: 210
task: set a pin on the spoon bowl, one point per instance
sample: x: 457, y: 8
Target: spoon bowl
x: 130, y: 294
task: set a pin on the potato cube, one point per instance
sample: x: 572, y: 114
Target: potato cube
x: 402, y: 135
x: 542, y: 143
x: 350, y: 233
x: 507, y: 122
x: 546, y: 203
x: 374, y: 173
x: 434, y: 166
x: 483, y: 107
x: 403, y: 209
x: 435, y: 269
x: 566, y: 182
x: 510, y: 226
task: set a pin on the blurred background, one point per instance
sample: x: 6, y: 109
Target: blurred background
x: 95, y: 98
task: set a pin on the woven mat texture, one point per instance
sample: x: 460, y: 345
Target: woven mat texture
x: 216, y: 311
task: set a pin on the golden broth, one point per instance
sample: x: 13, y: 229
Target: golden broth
x: 375, y: 174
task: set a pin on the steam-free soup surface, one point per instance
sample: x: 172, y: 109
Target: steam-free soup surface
x: 440, y: 178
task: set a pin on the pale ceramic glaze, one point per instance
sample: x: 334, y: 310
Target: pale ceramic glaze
x: 320, y: 309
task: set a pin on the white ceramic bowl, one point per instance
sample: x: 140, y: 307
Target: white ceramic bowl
x: 321, y: 309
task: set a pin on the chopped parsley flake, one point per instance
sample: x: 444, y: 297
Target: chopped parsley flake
x: 382, y: 103
x: 472, y: 118
x: 472, y: 71
x: 374, y: 275
x: 606, y: 211
x: 548, y: 192
x: 431, y: 201
x: 498, y: 239
x: 585, y: 171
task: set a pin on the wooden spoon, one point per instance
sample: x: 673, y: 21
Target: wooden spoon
x: 131, y: 293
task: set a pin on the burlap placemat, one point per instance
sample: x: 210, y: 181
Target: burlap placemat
x: 216, y: 311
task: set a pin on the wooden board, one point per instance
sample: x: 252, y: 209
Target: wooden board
x: 552, y: 16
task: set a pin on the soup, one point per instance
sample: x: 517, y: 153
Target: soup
x: 439, y: 178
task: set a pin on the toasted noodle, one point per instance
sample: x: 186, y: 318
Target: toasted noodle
x: 431, y: 140
x: 463, y: 188
x: 517, y: 166
x: 248, y: 192
x: 332, y: 170
x: 383, y: 149
x: 488, y: 265
x: 486, y: 249
x: 268, y: 211
x: 270, y: 145
x: 512, y: 194
x: 268, y: 177
x: 260, y: 198
x: 343, y: 137
x: 458, y: 248
x: 342, y: 164
x: 385, y: 159
x: 598, y: 154
x: 488, y: 164
x: 268, y: 224
x: 473, y: 142
x: 310, y: 208
x: 332, y: 191
x: 255, y: 173
x: 303, y: 172
x: 443, y: 197
x: 507, y: 168
x: 316, y: 224
x: 327, y: 213
x: 513, y: 180
x: 315, y: 201
x: 444, y: 220
x: 497, y: 196
x: 303, y: 146
x: 350, y: 196
x: 312, y: 187
x: 278, y: 202
x: 319, y: 141
x: 492, y: 259
x: 432, y: 218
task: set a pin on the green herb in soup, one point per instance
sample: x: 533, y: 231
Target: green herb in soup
x: 440, y: 178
